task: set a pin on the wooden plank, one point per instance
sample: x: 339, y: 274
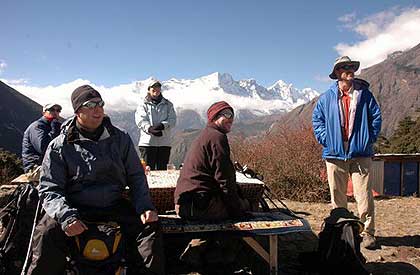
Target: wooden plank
x: 257, y: 248
x: 273, y: 255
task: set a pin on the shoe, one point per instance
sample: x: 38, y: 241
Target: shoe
x: 369, y: 241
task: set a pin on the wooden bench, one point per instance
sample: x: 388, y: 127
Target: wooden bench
x: 263, y: 224
x: 266, y: 224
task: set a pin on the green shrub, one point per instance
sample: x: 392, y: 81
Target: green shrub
x: 10, y: 166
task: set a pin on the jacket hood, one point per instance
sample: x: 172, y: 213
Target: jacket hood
x: 72, y: 134
x: 358, y: 84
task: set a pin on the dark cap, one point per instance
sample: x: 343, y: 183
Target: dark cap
x: 82, y: 94
x: 216, y: 108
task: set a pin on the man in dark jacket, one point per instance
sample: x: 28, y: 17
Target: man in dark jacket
x: 38, y: 135
x: 207, y: 188
x: 84, y: 173
x: 347, y: 121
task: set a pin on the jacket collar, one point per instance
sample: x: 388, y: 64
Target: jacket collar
x: 73, y: 135
x: 214, y: 126
x: 358, y: 85
x: 44, y: 119
x: 163, y: 101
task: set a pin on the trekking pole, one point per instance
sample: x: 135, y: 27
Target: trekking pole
x: 28, y: 253
x: 271, y: 197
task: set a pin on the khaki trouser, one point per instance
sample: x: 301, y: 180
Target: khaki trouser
x: 359, y: 169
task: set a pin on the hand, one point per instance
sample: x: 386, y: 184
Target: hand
x: 75, y: 228
x: 149, y: 216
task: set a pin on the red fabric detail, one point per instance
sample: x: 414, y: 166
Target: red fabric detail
x: 49, y: 116
x: 349, y: 192
x: 346, y: 108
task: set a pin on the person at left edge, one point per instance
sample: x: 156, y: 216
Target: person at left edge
x: 85, y: 170
x: 39, y: 134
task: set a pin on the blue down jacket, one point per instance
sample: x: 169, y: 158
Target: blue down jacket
x: 36, y: 139
x: 327, y: 126
x: 79, y: 173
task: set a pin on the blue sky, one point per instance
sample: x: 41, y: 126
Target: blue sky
x: 115, y: 42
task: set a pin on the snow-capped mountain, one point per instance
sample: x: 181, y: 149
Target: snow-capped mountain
x: 198, y: 94
x: 186, y: 94
x: 191, y: 98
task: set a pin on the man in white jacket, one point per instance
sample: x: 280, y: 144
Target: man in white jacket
x: 155, y: 117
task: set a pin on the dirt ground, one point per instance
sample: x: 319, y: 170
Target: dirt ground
x: 397, y: 232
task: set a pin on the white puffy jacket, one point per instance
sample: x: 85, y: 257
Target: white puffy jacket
x: 149, y: 114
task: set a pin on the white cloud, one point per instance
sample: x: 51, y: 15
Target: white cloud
x: 347, y: 18
x: 116, y: 98
x: 3, y: 66
x: 382, y: 33
x: 19, y: 81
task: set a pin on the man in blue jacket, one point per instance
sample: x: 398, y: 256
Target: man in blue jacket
x: 346, y: 122
x: 84, y: 173
x: 38, y: 135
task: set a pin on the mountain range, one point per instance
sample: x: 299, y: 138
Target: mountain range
x: 191, y: 97
x: 395, y: 83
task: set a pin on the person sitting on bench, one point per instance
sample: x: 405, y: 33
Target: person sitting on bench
x: 207, y: 188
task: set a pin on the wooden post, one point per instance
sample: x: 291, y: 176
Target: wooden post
x: 273, y: 255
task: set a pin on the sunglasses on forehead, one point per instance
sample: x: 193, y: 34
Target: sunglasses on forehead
x: 347, y: 68
x: 93, y: 104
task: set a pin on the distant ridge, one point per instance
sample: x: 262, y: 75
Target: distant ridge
x: 17, y: 112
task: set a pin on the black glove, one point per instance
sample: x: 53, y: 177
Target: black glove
x: 160, y: 127
x: 152, y: 130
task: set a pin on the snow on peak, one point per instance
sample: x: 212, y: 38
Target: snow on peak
x: 194, y: 94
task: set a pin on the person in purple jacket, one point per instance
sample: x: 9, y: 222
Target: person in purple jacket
x: 207, y: 188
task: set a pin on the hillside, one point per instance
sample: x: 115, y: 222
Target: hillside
x: 395, y: 83
x: 17, y: 112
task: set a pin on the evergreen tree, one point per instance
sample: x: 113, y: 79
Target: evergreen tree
x: 405, y: 140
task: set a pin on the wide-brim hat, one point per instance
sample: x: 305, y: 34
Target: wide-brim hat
x: 344, y: 60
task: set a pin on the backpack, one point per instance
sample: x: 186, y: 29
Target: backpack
x: 339, y: 244
x: 16, y: 221
x: 100, y: 249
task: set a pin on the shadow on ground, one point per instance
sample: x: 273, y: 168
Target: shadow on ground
x: 395, y: 268
x: 413, y: 241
